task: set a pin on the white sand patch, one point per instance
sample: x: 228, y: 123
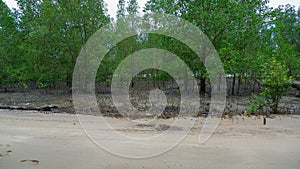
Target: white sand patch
x: 34, y: 140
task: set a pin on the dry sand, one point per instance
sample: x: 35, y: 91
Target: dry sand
x: 57, y: 141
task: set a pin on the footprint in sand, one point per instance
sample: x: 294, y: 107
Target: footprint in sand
x: 34, y: 162
x: 5, y: 151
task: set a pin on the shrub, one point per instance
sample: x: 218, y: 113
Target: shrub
x: 275, y: 81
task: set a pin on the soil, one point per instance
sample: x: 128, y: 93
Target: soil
x: 30, y: 139
x: 61, y: 102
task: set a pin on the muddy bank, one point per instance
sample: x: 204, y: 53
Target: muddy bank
x: 62, y: 102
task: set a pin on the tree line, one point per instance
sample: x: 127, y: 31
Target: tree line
x: 40, y: 41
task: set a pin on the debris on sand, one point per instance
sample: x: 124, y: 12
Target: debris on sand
x: 42, y: 108
x: 35, y: 162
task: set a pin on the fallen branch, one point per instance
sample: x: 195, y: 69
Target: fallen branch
x: 42, y: 108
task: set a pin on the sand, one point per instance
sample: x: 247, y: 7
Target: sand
x: 57, y: 141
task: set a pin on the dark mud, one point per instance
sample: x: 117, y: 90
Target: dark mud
x: 58, y: 101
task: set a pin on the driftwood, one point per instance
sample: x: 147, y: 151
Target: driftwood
x: 42, y: 108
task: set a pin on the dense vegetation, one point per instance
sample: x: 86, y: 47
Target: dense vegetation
x: 40, y: 41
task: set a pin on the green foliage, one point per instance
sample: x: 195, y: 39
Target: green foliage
x: 121, y: 9
x: 283, y: 37
x: 133, y: 7
x: 42, y: 39
x: 9, y: 40
x: 256, y: 103
x: 53, y: 33
x: 275, y: 81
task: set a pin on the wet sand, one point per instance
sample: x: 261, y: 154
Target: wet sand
x: 46, y: 141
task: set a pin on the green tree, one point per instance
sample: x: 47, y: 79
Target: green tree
x: 121, y: 9
x: 232, y: 26
x: 54, y: 33
x: 9, y: 41
x: 133, y: 7
x: 285, y: 37
x: 275, y: 81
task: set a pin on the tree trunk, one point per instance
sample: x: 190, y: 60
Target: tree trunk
x: 239, y: 84
x: 233, y: 85
x: 202, y: 85
x: 186, y: 85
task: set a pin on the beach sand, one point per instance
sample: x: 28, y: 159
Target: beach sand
x: 57, y: 141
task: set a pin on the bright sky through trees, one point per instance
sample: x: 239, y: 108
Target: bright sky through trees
x: 112, y: 4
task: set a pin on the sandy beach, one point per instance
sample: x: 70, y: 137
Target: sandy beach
x: 32, y: 140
